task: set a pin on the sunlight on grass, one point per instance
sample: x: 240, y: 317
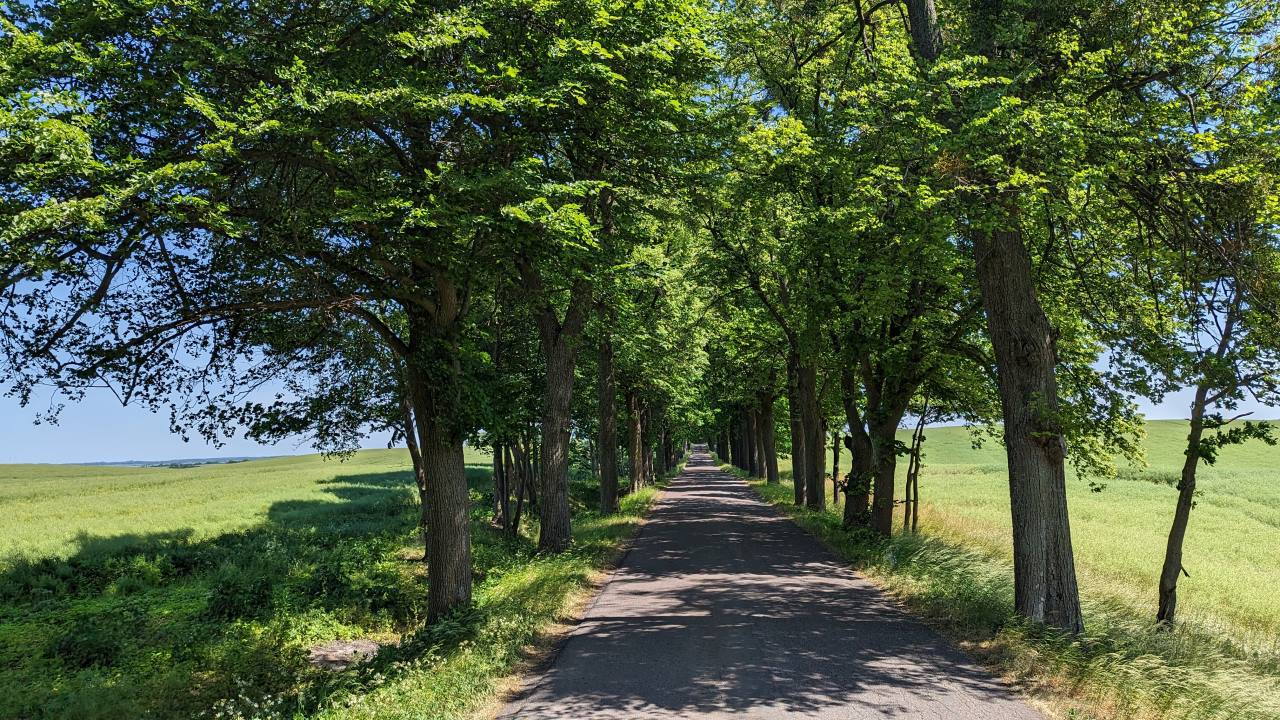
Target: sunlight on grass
x: 1223, y: 660
x: 178, y: 593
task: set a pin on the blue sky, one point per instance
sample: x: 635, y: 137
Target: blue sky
x: 99, y: 429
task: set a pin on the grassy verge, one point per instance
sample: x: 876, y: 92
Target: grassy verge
x: 158, y: 615
x: 457, y: 670
x: 1121, y: 668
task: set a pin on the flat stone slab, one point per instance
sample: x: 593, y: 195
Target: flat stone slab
x: 342, y: 654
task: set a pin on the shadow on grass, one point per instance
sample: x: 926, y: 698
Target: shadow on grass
x: 169, y: 625
x: 1123, y: 666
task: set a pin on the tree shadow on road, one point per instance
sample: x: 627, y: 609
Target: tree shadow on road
x: 726, y: 607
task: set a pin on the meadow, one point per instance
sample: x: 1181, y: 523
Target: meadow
x: 198, y: 592
x: 1223, y: 659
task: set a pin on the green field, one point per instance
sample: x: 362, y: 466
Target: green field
x: 1223, y: 660
x: 197, y: 592
x: 176, y: 592
x: 1232, y: 549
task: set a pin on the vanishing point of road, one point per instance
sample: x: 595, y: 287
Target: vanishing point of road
x: 723, y: 608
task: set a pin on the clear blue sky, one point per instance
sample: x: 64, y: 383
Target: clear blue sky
x: 99, y: 429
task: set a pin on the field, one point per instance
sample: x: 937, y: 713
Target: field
x: 187, y: 592
x: 197, y: 592
x: 1223, y: 660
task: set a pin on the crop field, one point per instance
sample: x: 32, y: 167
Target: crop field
x: 1233, y: 544
x: 1224, y: 658
x: 198, y: 592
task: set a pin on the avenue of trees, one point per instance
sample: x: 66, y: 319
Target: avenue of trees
x: 585, y: 233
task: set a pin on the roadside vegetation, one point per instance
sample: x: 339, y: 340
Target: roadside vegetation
x: 1221, y: 661
x: 581, y: 235
x: 140, y: 617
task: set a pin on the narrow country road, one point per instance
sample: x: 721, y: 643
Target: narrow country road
x: 723, y: 608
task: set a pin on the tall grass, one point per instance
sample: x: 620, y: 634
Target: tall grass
x: 1222, y: 661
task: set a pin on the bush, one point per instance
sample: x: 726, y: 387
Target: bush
x: 240, y: 591
x: 86, y: 643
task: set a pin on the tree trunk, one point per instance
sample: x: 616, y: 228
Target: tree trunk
x: 857, y: 494
x: 811, y: 428
x: 419, y: 473
x: 1182, y: 513
x: 757, y: 427
x: 884, y: 454
x: 516, y: 460
x: 798, y: 474
x: 1044, y: 567
x: 634, y: 445
x: 646, y: 443
x: 749, y: 428
x: 501, y: 488
x: 926, y: 35
x: 767, y: 439
x: 608, y: 431
x: 555, y: 533
x: 911, y: 504
x: 835, y: 466
x: 447, y: 502
x: 820, y: 462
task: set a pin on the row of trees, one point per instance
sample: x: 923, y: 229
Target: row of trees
x: 411, y: 215
x: 607, y: 228
x: 1006, y: 213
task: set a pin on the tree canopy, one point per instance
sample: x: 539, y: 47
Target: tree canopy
x: 585, y: 233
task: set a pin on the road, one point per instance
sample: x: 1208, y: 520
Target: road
x: 723, y: 608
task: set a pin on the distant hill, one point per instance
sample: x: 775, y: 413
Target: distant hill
x: 180, y: 462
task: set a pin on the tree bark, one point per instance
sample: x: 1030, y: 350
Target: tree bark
x: 911, y: 489
x: 419, y: 473
x: 926, y: 35
x: 447, y: 502
x: 884, y: 454
x: 1045, y: 588
x: 835, y: 466
x: 646, y: 443
x: 749, y: 431
x: 811, y: 428
x: 857, y: 495
x: 608, y: 430
x: 1182, y: 513
x: 556, y: 532
x: 635, y: 447
x: 517, y: 461
x: 757, y: 428
x: 767, y: 439
x: 501, y: 488
x: 798, y: 474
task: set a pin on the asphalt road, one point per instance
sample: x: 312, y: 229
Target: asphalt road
x: 723, y: 608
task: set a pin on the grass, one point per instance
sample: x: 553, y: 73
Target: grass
x: 1222, y: 661
x: 196, y: 592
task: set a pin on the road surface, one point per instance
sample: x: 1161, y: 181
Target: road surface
x: 724, y: 608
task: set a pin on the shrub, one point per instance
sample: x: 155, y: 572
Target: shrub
x: 240, y: 591
x: 86, y: 643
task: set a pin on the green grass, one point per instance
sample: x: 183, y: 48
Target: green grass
x: 1223, y: 661
x: 177, y: 593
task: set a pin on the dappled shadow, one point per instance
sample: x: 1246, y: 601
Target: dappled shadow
x: 177, y: 604
x: 724, y: 607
